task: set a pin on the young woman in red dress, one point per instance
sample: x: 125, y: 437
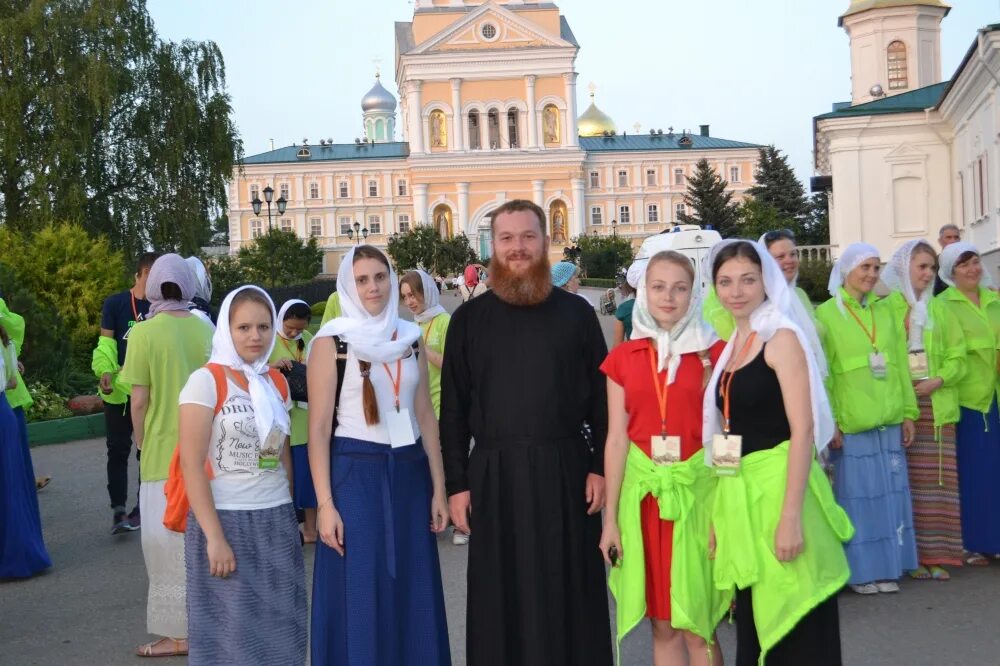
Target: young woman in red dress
x: 656, y: 382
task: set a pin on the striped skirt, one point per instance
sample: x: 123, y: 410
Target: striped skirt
x: 934, y: 488
x: 258, y: 614
x: 872, y: 484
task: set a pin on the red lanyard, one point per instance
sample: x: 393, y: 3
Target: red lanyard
x: 399, y: 377
x: 871, y: 336
x: 661, y: 392
x: 727, y: 380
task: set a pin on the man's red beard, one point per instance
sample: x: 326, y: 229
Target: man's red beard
x: 528, y: 288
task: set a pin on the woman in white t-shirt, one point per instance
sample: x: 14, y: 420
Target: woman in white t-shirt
x: 246, y: 592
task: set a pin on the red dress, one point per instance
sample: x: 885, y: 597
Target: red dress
x: 628, y: 366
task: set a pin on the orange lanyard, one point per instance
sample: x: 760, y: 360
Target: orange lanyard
x: 727, y: 380
x: 296, y: 354
x: 399, y: 377
x: 661, y: 392
x: 135, y: 310
x: 870, y: 336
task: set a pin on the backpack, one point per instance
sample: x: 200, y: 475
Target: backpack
x: 178, y: 506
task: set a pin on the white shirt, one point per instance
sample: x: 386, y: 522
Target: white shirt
x: 351, y: 416
x: 234, y: 448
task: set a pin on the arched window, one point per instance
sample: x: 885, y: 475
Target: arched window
x: 897, y: 66
x: 493, y: 125
x: 380, y: 130
x: 512, y: 128
x: 475, y: 139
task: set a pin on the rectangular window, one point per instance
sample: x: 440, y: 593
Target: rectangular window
x: 624, y: 215
x: 623, y: 178
x: 284, y: 191
x: 651, y: 177
x: 286, y: 224
x: 652, y: 213
x: 982, y: 198
x: 254, y: 192
x: 255, y: 228
x: 314, y: 190
x: 374, y: 225
x: 734, y: 174
x: 678, y: 176
x: 373, y: 188
x: 316, y: 227
x: 595, y: 179
x: 596, y: 215
x: 343, y: 190
x: 401, y: 188
x: 346, y: 224
x: 403, y: 224
x: 679, y: 210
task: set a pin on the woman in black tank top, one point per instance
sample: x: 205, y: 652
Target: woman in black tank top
x: 764, y: 396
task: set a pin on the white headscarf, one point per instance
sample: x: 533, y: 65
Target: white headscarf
x: 763, y: 242
x: 169, y: 268
x: 897, y: 277
x: 636, y: 272
x: 781, y: 309
x: 369, y: 336
x: 203, y: 282
x: 268, y: 407
x: 855, y: 255
x: 432, y: 298
x: 689, y: 334
x: 281, y: 317
x: 948, y: 259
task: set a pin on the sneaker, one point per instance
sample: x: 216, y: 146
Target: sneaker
x: 867, y: 588
x: 887, y: 586
x: 120, y: 524
x: 459, y: 538
x: 134, y: 518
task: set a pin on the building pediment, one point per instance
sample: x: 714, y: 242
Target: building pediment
x: 905, y: 153
x: 490, y: 27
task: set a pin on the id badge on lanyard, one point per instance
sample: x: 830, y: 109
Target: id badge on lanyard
x: 727, y: 448
x: 664, y: 449
x: 270, y: 449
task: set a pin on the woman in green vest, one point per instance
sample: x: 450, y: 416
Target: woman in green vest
x: 973, y: 309
x: 875, y: 408
x: 778, y: 531
x: 291, y: 345
x: 936, y: 365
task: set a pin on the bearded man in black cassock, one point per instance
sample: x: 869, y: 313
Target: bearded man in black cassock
x: 521, y: 376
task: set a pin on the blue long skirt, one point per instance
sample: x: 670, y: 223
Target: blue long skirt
x: 22, y: 550
x: 381, y: 604
x: 305, y: 493
x: 871, y: 482
x: 978, y: 452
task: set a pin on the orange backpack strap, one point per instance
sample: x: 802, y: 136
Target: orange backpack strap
x: 280, y: 381
x: 221, y: 384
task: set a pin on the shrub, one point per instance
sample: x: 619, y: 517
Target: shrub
x: 601, y: 256
x: 48, y: 404
x: 814, y: 276
x: 318, y: 310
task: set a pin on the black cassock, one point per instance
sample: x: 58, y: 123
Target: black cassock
x: 523, y: 381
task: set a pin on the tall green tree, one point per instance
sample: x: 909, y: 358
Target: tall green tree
x: 777, y: 186
x: 104, y: 124
x: 423, y: 247
x: 709, y: 200
x: 815, y: 228
x: 604, y: 256
x: 280, y: 258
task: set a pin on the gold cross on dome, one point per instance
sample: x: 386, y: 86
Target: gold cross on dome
x: 377, y: 62
x: 592, y: 88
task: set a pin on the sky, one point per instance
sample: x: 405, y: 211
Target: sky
x: 755, y: 71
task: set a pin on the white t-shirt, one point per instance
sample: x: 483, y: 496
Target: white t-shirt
x: 351, y: 415
x: 234, y: 448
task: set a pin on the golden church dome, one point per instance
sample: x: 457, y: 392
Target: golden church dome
x: 858, y: 6
x: 594, y: 122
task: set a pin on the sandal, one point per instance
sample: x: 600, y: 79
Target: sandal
x: 921, y: 573
x: 42, y: 481
x: 180, y: 648
x: 939, y: 573
x: 976, y: 560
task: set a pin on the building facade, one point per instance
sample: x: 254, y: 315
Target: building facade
x: 488, y: 113
x: 912, y: 152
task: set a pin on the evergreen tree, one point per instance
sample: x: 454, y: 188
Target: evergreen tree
x: 709, y: 201
x: 816, y: 226
x: 777, y: 186
x: 280, y: 258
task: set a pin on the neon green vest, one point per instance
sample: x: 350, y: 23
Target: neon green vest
x: 19, y: 396
x: 979, y: 329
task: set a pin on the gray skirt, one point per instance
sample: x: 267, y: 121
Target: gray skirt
x: 258, y: 614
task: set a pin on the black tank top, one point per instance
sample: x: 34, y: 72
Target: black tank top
x: 756, y: 409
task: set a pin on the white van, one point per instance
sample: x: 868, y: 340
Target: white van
x: 688, y: 239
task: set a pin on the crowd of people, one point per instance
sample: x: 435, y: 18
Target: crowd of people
x: 737, y: 451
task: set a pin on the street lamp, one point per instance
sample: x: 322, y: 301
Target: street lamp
x: 357, y: 233
x: 282, y: 203
x: 614, y: 249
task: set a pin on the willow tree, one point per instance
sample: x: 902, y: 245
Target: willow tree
x: 104, y: 124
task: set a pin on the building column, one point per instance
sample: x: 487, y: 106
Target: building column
x: 389, y: 221
x: 538, y: 192
x: 532, y: 121
x: 463, y: 209
x: 457, y: 142
x: 571, y: 139
x: 579, y: 214
x: 416, y: 120
x: 420, y: 204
